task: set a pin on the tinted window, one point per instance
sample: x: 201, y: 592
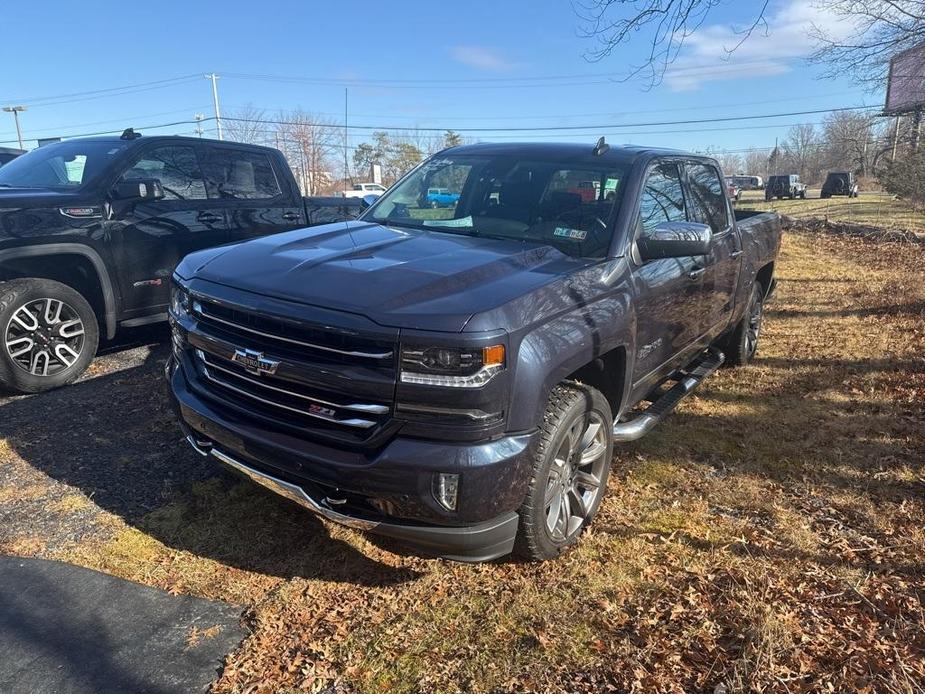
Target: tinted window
x: 64, y: 165
x: 175, y: 167
x: 240, y: 175
x: 662, y: 198
x: 708, y: 202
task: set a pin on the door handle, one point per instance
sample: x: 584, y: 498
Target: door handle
x: 736, y: 254
x: 291, y: 216
x: 208, y: 217
x: 696, y: 273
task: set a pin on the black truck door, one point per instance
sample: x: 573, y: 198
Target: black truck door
x: 667, y: 293
x: 259, y: 200
x: 721, y: 268
x: 149, y: 237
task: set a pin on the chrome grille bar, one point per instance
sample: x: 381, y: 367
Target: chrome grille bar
x: 355, y: 407
x: 198, y: 308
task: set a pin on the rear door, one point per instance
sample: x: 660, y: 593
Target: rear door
x: 709, y: 205
x: 256, y: 196
x: 150, y: 237
x: 668, y: 295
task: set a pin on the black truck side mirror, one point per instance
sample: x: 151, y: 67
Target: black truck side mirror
x: 147, y: 189
x: 675, y: 240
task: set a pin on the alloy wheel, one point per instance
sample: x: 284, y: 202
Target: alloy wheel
x: 44, y: 337
x: 753, y: 331
x: 574, y: 482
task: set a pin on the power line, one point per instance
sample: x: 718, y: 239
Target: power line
x: 98, y: 93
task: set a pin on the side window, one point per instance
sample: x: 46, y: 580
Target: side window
x: 175, y: 167
x: 708, y: 202
x: 240, y: 175
x: 662, y: 197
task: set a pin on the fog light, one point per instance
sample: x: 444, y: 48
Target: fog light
x: 446, y: 488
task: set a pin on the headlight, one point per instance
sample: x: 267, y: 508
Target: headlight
x: 450, y: 366
x: 179, y: 301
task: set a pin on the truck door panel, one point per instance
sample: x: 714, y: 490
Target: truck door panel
x: 150, y: 237
x: 257, y: 199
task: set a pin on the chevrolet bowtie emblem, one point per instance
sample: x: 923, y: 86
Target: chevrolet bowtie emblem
x: 255, y: 362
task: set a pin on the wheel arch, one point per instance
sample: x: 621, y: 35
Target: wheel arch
x: 88, y: 275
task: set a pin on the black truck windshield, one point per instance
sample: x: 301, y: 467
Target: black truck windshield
x: 64, y: 165
x: 569, y: 206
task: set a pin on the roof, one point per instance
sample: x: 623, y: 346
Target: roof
x: 564, y: 151
x: 186, y: 139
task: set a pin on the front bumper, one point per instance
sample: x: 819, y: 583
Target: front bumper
x: 398, y: 477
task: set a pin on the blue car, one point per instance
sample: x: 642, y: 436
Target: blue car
x: 441, y: 197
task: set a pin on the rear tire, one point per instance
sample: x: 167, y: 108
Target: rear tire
x: 48, y: 335
x: 570, y: 471
x: 741, y: 345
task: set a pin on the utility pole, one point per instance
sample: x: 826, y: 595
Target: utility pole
x: 218, y: 116
x: 895, y: 137
x: 346, y: 174
x: 16, y: 110
x: 199, y: 118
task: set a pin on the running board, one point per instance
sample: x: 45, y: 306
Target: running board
x: 687, y: 380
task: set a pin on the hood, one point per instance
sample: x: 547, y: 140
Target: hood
x: 416, y: 279
x: 34, y: 197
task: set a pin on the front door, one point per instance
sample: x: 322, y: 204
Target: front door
x: 256, y: 196
x: 149, y: 238
x: 709, y: 205
x: 668, y: 290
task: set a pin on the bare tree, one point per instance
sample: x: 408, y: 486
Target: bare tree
x: 756, y: 162
x: 246, y: 124
x: 311, y: 145
x: 851, y: 141
x: 801, y: 149
x: 665, y: 23
x: 882, y: 28
x: 729, y: 162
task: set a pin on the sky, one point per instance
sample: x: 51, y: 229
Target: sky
x: 473, y: 67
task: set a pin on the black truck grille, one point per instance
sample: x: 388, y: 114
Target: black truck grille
x: 317, y: 379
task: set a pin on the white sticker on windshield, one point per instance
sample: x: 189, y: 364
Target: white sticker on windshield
x: 565, y: 232
x: 461, y: 222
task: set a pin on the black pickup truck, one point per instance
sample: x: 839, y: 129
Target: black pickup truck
x: 91, y: 229
x: 456, y: 378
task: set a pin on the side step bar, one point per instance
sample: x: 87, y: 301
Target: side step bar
x: 688, y: 379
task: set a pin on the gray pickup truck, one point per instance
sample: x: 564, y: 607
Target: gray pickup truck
x: 457, y: 378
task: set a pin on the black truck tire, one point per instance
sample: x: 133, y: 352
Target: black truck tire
x: 48, y: 335
x: 571, y: 466
x: 741, y: 344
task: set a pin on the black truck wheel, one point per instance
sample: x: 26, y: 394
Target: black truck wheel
x: 742, y: 343
x: 49, y: 335
x: 570, y: 470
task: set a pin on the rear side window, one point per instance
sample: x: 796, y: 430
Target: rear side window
x: 708, y: 201
x: 240, y: 175
x: 662, y: 197
x: 175, y: 167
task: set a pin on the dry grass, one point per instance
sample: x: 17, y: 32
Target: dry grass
x: 870, y: 209
x: 768, y: 537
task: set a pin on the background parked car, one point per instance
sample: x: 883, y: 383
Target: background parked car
x: 361, y: 190
x: 839, y: 183
x: 746, y: 182
x: 732, y: 190
x: 787, y: 186
x: 441, y: 197
x: 91, y: 229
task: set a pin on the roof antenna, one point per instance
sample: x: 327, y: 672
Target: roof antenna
x: 601, y: 147
x: 129, y: 134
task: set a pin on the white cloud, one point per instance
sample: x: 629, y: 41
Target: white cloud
x: 768, y: 51
x: 482, y: 58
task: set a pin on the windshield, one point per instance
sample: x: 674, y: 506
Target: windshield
x: 566, y: 206
x: 62, y: 165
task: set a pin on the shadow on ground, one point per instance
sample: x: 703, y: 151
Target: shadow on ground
x: 115, y: 438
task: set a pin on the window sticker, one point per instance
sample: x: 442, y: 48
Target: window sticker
x: 461, y: 222
x: 567, y: 233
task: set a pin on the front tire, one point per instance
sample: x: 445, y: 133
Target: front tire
x: 48, y: 335
x: 742, y: 344
x: 570, y: 471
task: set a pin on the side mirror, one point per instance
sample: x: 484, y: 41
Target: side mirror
x: 368, y: 200
x: 675, y: 240
x: 147, y: 189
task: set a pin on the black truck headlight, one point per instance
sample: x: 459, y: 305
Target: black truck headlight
x: 179, y: 301
x: 450, y: 366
